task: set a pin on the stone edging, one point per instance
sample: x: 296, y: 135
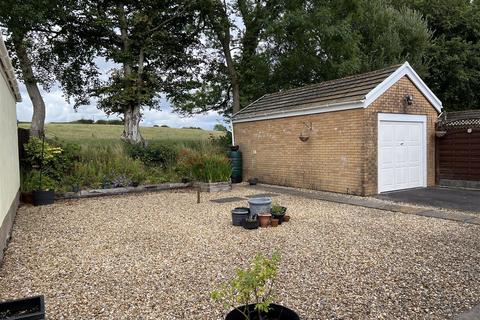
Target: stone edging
x: 123, y: 190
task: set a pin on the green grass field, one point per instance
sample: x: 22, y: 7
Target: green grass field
x: 101, y: 134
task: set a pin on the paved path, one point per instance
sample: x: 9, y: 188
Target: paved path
x: 441, y: 197
x: 372, y: 203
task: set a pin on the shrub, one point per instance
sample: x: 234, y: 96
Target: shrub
x: 223, y: 141
x: 57, y: 161
x: 205, y: 167
x: 83, y: 121
x: 251, y: 285
x: 112, y: 122
x: 154, y: 154
x: 32, y: 181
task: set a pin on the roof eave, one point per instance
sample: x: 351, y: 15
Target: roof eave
x: 357, y: 104
x: 404, y: 70
x: 8, y: 71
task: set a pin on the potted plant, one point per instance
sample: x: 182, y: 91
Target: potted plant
x: 251, y: 221
x: 42, y: 187
x: 278, y: 212
x: 251, y: 294
x: 32, y: 308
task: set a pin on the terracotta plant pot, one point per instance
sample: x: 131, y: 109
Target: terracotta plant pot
x: 286, y: 218
x: 264, y: 219
x: 275, y: 222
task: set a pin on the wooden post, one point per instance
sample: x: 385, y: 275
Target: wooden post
x: 198, y: 195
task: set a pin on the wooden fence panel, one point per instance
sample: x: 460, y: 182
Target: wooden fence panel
x: 459, y: 155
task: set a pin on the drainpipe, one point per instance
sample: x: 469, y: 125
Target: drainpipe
x: 233, y: 136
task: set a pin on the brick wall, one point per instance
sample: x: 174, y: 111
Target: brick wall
x: 392, y: 102
x: 340, y: 155
x: 331, y: 159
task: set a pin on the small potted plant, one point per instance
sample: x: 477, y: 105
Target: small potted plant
x: 278, y: 212
x: 251, y: 294
x: 251, y: 221
x: 32, y: 308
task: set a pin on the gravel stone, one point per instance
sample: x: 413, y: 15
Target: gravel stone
x: 159, y: 255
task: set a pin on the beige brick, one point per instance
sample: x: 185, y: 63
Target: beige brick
x: 341, y: 153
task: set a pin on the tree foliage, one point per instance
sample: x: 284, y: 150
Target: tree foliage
x: 285, y: 44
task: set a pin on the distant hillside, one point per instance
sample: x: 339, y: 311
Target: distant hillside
x: 99, y: 133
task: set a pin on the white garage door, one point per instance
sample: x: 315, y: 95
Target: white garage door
x: 401, y: 152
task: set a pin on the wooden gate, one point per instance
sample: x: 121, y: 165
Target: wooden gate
x: 458, y: 149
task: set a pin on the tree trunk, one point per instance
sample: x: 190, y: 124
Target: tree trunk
x: 222, y: 30
x: 131, y: 127
x: 132, y: 114
x: 38, y: 117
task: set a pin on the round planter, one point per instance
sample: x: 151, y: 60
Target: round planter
x: 253, y: 181
x: 275, y: 222
x: 259, y: 205
x: 286, y: 218
x: 42, y: 197
x: 276, y: 312
x: 279, y: 217
x: 264, y: 219
x: 251, y: 224
x: 239, y: 215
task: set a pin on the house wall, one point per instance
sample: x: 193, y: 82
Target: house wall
x: 392, y: 101
x: 331, y: 159
x: 341, y: 153
x: 9, y: 168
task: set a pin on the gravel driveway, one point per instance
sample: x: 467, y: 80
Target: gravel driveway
x: 158, y: 255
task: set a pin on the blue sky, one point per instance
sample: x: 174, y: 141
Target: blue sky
x: 58, y: 110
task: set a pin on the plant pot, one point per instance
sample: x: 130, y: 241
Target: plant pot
x: 286, y: 218
x: 279, y: 217
x: 259, y: 205
x: 234, y: 148
x: 250, y: 224
x: 253, y: 181
x: 43, y: 197
x: 264, y: 219
x: 239, y: 215
x: 276, y: 312
x: 274, y: 222
x: 32, y: 308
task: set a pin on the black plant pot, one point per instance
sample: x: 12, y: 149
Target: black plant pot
x: 247, y: 224
x: 239, y: 215
x: 234, y: 148
x: 253, y: 181
x: 43, y: 197
x: 32, y: 308
x: 276, y: 312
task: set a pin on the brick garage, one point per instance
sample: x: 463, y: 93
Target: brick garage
x: 340, y: 122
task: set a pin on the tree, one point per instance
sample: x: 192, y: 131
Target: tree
x: 454, y: 55
x: 229, y: 56
x: 219, y: 127
x: 147, y: 42
x: 290, y: 43
x: 23, y: 20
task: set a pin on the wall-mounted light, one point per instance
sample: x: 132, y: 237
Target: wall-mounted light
x: 305, y: 133
x: 409, y: 99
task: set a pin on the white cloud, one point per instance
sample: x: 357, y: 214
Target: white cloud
x: 58, y: 110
